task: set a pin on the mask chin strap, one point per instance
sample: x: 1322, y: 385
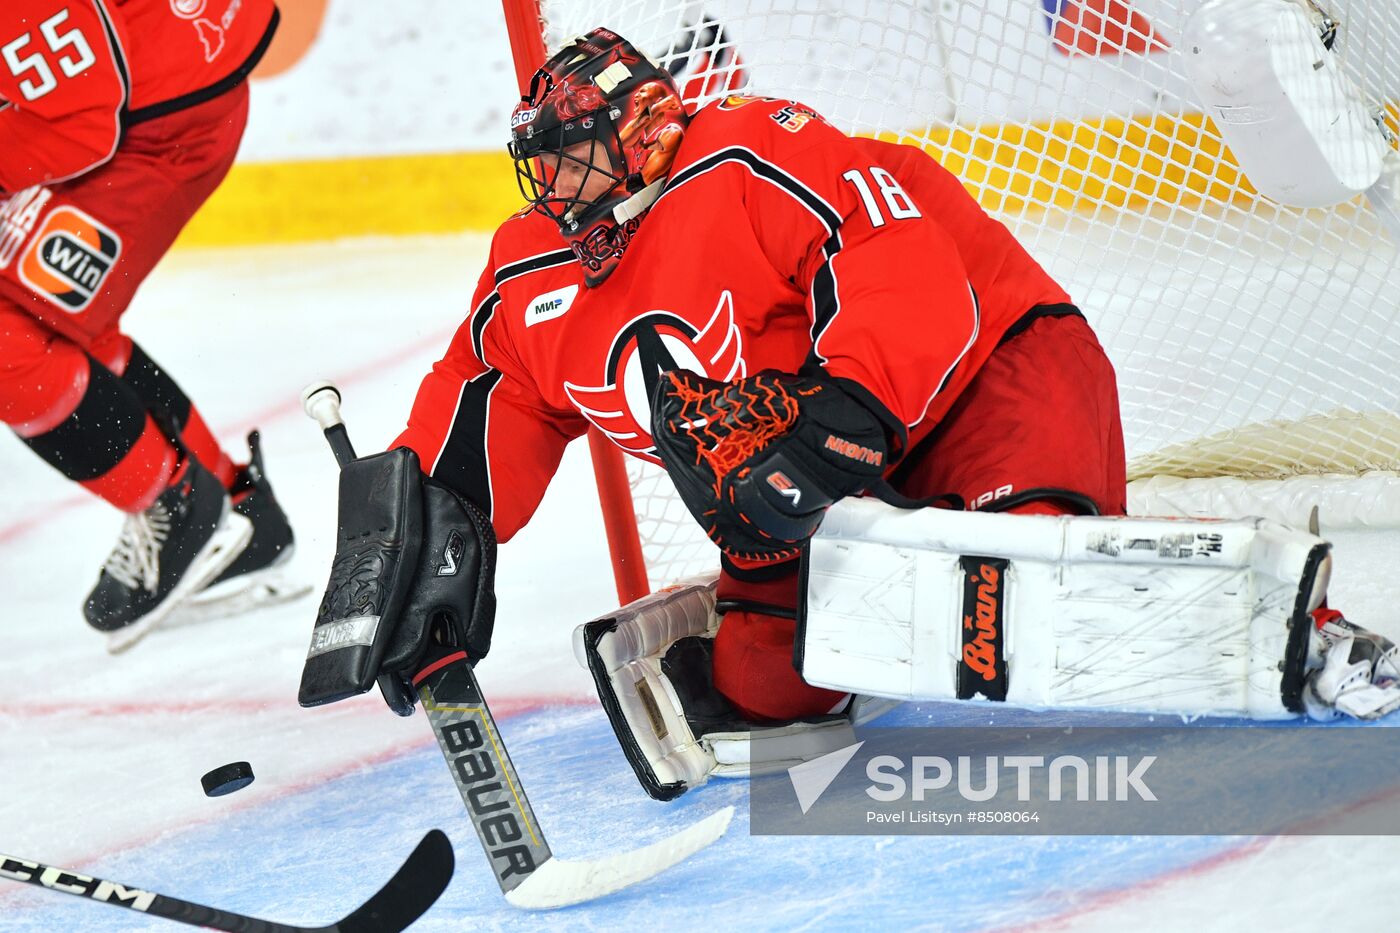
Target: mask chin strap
x: 637, y: 204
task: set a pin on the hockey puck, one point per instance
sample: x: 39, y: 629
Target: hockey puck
x: 228, y: 778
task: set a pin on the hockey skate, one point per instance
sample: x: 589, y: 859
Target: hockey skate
x: 257, y: 577
x: 186, y: 538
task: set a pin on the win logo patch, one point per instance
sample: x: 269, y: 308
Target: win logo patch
x: 68, y: 260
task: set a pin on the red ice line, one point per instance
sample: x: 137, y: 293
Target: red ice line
x: 1247, y: 849
x: 508, y: 706
x: 505, y: 708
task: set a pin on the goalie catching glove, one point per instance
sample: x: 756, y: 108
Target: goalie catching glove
x: 413, y: 580
x: 758, y: 461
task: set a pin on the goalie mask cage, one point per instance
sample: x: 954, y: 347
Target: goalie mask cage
x: 1256, y: 344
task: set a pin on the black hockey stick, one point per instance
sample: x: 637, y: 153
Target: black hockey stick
x: 412, y: 890
x: 525, y: 868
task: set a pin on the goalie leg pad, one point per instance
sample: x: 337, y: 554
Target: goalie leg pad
x: 651, y: 664
x: 1153, y: 615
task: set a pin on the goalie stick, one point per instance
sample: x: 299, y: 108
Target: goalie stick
x: 529, y: 874
x: 412, y: 890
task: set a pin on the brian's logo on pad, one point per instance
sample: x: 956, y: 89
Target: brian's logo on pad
x: 69, y: 258
x: 550, y: 305
x: 982, y: 668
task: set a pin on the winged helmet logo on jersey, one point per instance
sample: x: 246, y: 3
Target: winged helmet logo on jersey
x: 643, y: 349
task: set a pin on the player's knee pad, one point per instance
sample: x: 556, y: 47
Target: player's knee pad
x: 42, y: 376
x: 414, y: 568
x: 652, y: 663
x: 1153, y: 615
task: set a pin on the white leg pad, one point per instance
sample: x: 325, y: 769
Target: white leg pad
x: 626, y: 652
x: 1157, y: 615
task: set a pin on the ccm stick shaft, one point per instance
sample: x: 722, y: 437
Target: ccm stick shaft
x: 412, y: 890
x: 526, y: 870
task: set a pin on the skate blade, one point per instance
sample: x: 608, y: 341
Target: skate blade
x: 251, y: 592
x: 222, y: 549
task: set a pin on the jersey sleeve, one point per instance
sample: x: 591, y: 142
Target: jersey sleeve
x: 892, y: 308
x: 64, y: 84
x: 479, y: 426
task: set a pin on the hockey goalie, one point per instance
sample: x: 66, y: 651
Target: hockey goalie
x: 825, y: 336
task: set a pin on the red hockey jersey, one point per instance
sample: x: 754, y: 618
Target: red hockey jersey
x: 73, y: 73
x: 777, y: 243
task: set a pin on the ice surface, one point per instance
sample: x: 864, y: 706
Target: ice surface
x: 101, y: 756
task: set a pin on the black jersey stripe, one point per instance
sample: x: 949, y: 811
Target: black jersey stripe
x: 826, y: 297
x: 487, y: 309
x: 826, y: 301
x: 109, y: 32
x: 514, y: 270
x: 118, y: 53
x: 764, y: 169
x: 225, y: 84
x: 480, y: 318
x: 464, y: 462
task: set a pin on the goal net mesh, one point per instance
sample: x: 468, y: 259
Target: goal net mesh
x: 1251, y: 340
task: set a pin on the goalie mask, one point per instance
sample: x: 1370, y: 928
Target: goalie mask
x: 593, y: 141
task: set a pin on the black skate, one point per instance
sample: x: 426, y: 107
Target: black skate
x: 257, y: 576
x: 166, y: 553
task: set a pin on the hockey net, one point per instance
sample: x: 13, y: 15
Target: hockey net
x: 1256, y: 345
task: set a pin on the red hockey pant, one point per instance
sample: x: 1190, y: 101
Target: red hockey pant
x: 71, y: 258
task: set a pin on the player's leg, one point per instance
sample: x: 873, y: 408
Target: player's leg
x: 1247, y: 637
x: 76, y: 415
x: 88, y: 244
x: 209, y: 135
x: 158, y: 391
x: 700, y: 682
x: 753, y: 648
x: 1036, y: 432
x: 248, y: 485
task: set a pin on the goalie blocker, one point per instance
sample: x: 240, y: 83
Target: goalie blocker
x: 414, y: 567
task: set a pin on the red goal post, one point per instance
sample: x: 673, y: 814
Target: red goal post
x: 526, y: 33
